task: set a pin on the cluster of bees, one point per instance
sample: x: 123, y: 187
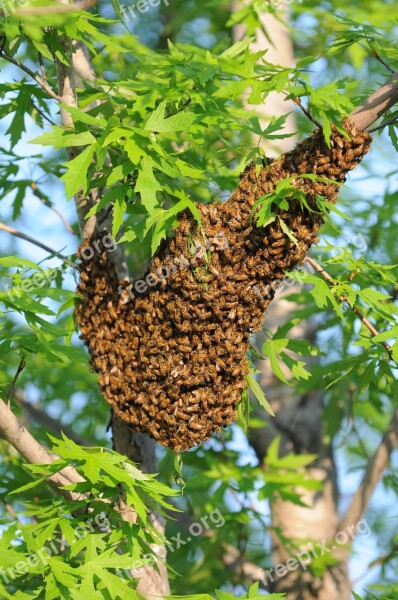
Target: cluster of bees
x: 172, y: 362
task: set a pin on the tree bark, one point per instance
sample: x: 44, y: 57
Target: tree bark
x: 279, y: 48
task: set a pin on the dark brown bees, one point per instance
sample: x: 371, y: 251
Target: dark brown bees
x: 172, y: 362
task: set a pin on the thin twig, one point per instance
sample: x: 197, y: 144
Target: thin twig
x: 49, y: 205
x: 344, y: 298
x: 31, y: 240
x: 34, y: 453
x: 376, y: 563
x: 385, y: 124
x: 383, y: 62
x: 42, y: 113
x: 10, y: 510
x: 43, y: 70
x: 373, y: 474
x: 31, y: 73
x: 384, y: 557
x: 307, y: 113
x: 11, y: 391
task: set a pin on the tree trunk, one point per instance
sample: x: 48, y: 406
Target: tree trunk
x: 298, y: 419
x: 279, y: 52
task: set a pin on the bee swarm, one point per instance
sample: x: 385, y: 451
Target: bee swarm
x: 172, y: 361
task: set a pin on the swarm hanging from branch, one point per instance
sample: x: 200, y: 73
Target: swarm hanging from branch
x: 172, y: 360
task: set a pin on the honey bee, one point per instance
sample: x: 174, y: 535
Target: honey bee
x: 102, y: 346
x: 216, y: 418
x: 237, y: 371
x: 101, y: 364
x: 212, y: 211
x: 133, y: 419
x: 229, y: 347
x: 213, y: 270
x: 144, y: 420
x: 152, y: 411
x: 96, y: 321
x: 184, y: 326
x: 229, y: 288
x: 195, y: 437
x: 180, y: 415
x: 111, y: 311
x: 155, y: 433
x: 193, y: 424
x: 245, y: 185
x: 103, y: 380
x: 220, y: 364
x: 125, y: 352
x: 193, y: 398
x: 192, y: 408
x: 174, y: 373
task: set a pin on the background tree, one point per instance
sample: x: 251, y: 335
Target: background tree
x: 127, y: 171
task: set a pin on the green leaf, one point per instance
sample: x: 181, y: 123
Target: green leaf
x: 272, y: 349
x: 258, y: 392
x: 76, y: 176
x: 119, y: 209
x: 80, y: 116
x: 288, y: 231
x: 178, y: 472
x: 62, y: 138
x: 16, y: 261
x: 182, y: 121
x: 147, y: 185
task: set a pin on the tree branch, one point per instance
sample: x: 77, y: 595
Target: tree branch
x: 383, y: 62
x: 34, y: 453
x: 27, y: 238
x: 46, y: 202
x: 83, y: 71
x: 373, y: 475
x: 382, y: 125
x: 232, y: 559
x: 29, y: 72
x: 377, y: 104
x: 11, y: 511
x: 11, y: 391
x: 42, y: 113
x: 344, y: 298
x: 297, y: 102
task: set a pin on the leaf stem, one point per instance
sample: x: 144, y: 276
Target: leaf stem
x: 344, y: 298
